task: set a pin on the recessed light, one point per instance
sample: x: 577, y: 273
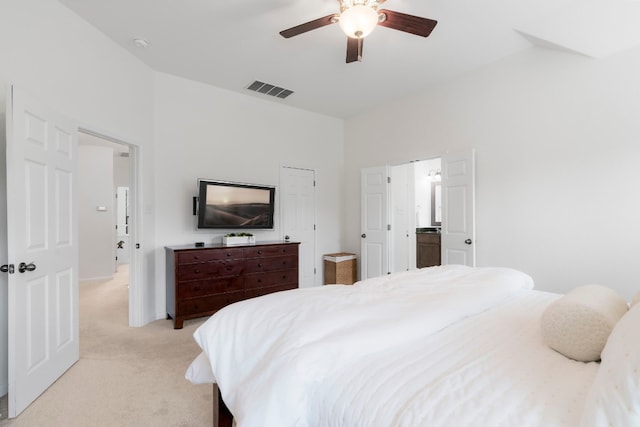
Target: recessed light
x: 141, y: 43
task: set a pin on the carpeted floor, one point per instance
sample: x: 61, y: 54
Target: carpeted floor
x: 125, y: 376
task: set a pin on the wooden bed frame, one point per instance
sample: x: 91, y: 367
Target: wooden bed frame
x: 222, y: 417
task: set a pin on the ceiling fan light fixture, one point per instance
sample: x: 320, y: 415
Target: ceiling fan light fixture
x: 358, y: 21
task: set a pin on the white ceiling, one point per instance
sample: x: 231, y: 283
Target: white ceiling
x: 231, y: 44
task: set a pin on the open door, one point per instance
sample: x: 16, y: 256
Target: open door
x: 458, y: 209
x: 42, y: 248
x: 374, y: 247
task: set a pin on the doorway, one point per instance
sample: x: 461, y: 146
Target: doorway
x: 432, y: 201
x: 109, y: 214
x: 414, y: 214
x: 42, y: 241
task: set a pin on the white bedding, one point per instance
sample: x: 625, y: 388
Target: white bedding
x: 334, y: 355
x: 489, y: 370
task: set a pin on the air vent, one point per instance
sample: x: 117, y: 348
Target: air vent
x: 268, y: 89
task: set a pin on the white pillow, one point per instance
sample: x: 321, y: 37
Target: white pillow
x: 578, y: 324
x: 199, y: 372
x: 614, y: 396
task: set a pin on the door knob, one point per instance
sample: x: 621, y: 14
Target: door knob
x: 26, y: 267
x: 7, y: 268
x: 468, y: 241
x: 364, y: 236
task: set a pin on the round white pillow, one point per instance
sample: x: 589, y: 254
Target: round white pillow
x: 578, y: 324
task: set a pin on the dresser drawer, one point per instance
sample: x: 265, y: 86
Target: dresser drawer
x: 258, y: 265
x: 201, y: 280
x: 190, y: 257
x: 207, y: 269
x: 194, y: 288
x: 262, y: 251
x: 207, y: 304
x: 260, y: 280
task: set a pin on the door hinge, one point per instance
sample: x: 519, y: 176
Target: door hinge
x: 314, y: 227
x: 314, y: 182
x: 314, y: 270
x: 388, y: 227
x: 137, y: 245
x: 388, y: 180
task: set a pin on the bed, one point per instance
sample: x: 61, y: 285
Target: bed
x: 439, y: 346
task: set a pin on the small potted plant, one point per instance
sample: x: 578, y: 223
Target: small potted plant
x: 238, y: 239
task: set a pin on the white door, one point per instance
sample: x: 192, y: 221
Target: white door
x: 458, y: 209
x: 402, y: 219
x: 374, y: 247
x: 42, y: 246
x: 297, y: 199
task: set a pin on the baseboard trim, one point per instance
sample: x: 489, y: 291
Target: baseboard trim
x: 91, y: 279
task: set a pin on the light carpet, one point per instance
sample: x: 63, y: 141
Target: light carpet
x: 125, y: 376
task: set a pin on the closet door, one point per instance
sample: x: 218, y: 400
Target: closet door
x: 374, y: 246
x: 298, y: 201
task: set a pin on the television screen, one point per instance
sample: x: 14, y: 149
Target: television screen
x: 233, y: 205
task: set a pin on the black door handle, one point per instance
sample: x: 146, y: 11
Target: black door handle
x: 364, y: 236
x: 26, y: 267
x: 7, y: 268
x: 468, y: 241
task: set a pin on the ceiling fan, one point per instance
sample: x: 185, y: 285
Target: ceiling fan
x: 357, y: 18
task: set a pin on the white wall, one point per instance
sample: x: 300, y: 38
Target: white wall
x: 558, y: 144
x: 205, y: 132
x: 121, y: 171
x: 51, y: 53
x: 96, y: 228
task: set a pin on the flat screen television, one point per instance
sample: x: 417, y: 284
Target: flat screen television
x: 233, y: 205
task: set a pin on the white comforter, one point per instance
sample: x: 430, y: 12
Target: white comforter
x: 489, y: 370
x: 272, y: 355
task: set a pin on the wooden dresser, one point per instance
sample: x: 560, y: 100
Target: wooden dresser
x: 202, y: 280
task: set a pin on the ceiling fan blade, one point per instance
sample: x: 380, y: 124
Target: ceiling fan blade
x: 308, y: 26
x: 354, y: 49
x: 407, y: 23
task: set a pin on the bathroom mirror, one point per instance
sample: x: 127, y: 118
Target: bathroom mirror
x: 436, y: 204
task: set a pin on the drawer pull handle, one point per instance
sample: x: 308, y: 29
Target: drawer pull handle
x: 196, y: 271
x: 259, y: 264
x: 196, y: 257
x: 228, y: 254
x: 259, y: 280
